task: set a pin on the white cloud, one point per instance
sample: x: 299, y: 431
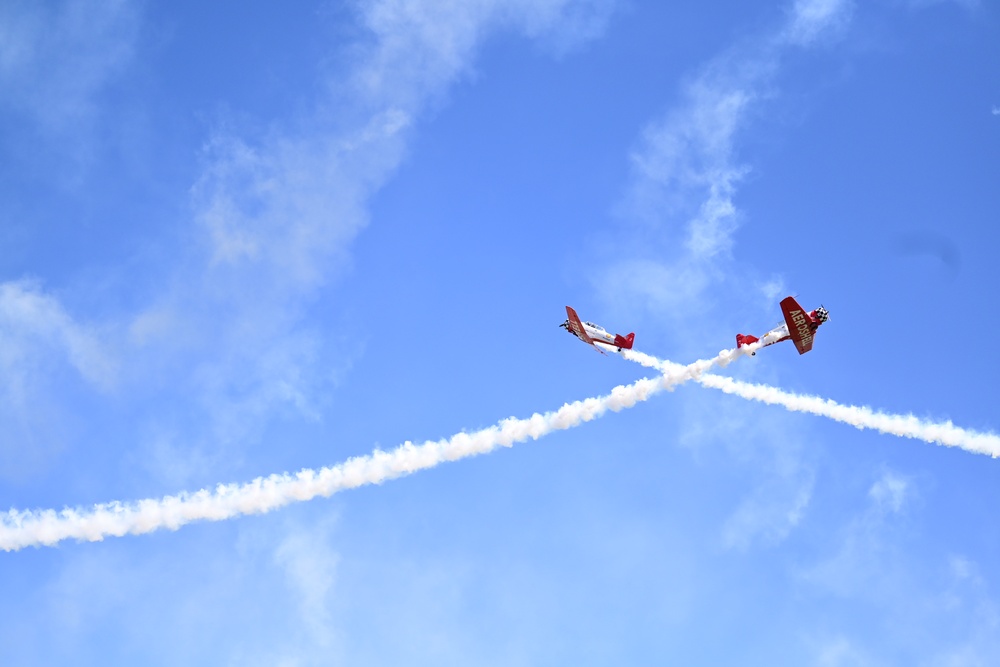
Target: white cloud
x: 686, y: 170
x: 841, y: 652
x: 274, y: 214
x: 966, y: 4
x: 776, y: 469
x: 771, y: 290
x: 227, y: 597
x: 421, y: 46
x: 863, y: 563
x: 964, y: 570
x: 783, y: 486
x: 279, y: 213
x: 965, y: 619
x: 770, y: 513
x: 684, y: 178
x: 310, y: 567
x: 55, y: 59
x: 690, y: 154
x: 890, y: 492
x: 33, y: 323
x: 977, y: 615
x: 44, y: 355
x: 873, y: 560
x: 569, y: 24
x: 664, y: 287
x: 812, y: 20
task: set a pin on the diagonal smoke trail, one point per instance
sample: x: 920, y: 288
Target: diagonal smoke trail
x: 906, y: 426
x: 19, y: 529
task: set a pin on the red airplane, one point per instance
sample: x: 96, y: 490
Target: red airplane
x: 799, y: 327
x: 591, y: 333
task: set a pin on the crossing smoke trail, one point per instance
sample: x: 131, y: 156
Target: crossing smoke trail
x: 906, y: 426
x: 19, y: 529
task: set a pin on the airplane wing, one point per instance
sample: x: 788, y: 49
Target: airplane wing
x: 576, y: 326
x: 799, y: 324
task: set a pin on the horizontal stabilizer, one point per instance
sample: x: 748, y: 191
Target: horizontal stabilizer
x: 624, y: 342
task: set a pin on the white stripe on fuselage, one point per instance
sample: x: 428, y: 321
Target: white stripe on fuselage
x: 775, y: 335
x: 599, y: 334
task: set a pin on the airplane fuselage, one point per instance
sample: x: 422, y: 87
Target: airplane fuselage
x: 596, y: 333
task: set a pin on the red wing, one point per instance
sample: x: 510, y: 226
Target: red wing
x: 576, y: 326
x: 799, y: 323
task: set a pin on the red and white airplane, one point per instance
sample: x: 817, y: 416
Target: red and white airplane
x: 799, y: 327
x: 591, y: 333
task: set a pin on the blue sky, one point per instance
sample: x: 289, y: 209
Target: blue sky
x: 245, y: 239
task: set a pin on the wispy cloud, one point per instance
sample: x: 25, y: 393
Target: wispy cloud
x: 866, y: 545
x: 310, y: 567
x: 775, y: 508
x: 813, y: 20
x: 686, y: 160
x: 275, y: 212
x: 686, y: 169
x: 278, y: 214
x: 777, y: 467
x: 890, y: 491
x: 872, y: 558
x: 421, y: 46
x: 965, y: 4
x: 841, y: 652
x: 30, y: 318
x: 43, y: 352
x: 56, y: 58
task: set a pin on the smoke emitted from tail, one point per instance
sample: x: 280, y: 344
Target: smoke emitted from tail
x: 906, y: 426
x: 19, y: 529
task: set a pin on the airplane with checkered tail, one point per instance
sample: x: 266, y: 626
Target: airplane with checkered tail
x: 799, y: 327
x: 594, y: 334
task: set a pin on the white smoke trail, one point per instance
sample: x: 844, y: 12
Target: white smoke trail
x: 19, y: 529
x: 906, y: 426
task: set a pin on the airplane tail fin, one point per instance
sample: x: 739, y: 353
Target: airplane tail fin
x: 624, y: 342
x: 742, y: 340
